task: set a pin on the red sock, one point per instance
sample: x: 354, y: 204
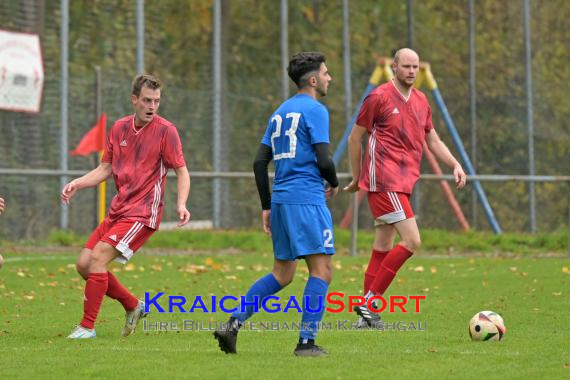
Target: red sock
x: 95, y: 290
x: 376, y: 259
x: 119, y: 292
x: 390, y: 266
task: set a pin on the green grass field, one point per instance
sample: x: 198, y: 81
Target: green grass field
x: 41, y: 301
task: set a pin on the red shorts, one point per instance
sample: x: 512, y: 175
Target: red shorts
x: 390, y: 207
x: 127, y: 236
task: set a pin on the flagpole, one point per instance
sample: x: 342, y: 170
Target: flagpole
x: 102, y: 190
x: 94, y: 142
x: 102, y: 187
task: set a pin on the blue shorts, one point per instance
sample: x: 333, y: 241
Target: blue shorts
x: 301, y: 230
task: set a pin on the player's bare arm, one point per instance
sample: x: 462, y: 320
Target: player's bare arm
x: 93, y: 178
x: 266, y: 220
x: 440, y: 150
x: 355, y: 154
x: 2, y: 205
x: 183, y: 178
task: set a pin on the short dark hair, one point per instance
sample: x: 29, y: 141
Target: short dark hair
x: 145, y: 80
x: 302, y: 65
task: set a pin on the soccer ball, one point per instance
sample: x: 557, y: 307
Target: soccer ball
x: 487, y: 325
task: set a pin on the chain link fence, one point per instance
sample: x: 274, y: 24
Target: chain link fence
x: 178, y: 49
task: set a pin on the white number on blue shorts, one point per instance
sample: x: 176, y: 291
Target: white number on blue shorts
x: 328, y: 235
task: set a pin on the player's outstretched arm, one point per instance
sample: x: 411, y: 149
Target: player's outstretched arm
x: 355, y: 155
x: 93, y: 178
x: 183, y: 186
x: 440, y: 150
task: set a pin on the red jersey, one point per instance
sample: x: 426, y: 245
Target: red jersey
x: 397, y: 129
x: 140, y: 161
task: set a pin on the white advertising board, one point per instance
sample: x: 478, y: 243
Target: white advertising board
x: 21, y: 72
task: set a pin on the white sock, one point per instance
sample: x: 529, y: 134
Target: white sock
x: 368, y: 296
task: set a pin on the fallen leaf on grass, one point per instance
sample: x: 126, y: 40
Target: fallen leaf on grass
x: 129, y: 267
x: 432, y: 349
x: 192, y: 268
x: 156, y: 267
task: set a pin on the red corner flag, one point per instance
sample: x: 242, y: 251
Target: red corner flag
x: 94, y: 140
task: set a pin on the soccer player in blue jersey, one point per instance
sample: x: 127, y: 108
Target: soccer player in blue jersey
x: 295, y: 215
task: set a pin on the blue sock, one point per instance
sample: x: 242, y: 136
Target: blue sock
x: 315, y: 293
x: 262, y: 288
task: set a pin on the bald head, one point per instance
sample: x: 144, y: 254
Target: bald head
x: 405, y: 53
x: 406, y: 65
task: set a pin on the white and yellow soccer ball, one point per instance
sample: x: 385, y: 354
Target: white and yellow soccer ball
x: 487, y: 326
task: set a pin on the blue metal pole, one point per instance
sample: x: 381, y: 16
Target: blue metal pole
x: 341, y: 148
x: 466, y: 161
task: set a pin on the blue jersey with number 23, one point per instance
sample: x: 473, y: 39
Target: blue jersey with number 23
x: 294, y: 127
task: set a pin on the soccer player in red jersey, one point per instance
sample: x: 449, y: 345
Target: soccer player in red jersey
x: 397, y: 120
x: 139, y: 151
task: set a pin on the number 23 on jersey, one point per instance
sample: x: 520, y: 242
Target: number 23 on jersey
x: 278, y: 139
